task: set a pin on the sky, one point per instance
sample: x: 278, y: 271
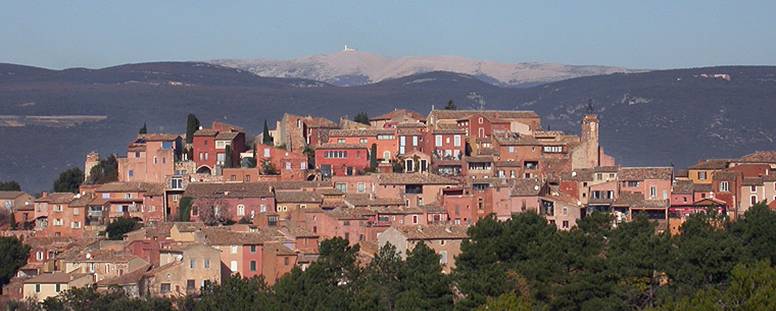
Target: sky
x: 636, y: 34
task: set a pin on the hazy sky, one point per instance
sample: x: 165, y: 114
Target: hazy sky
x: 637, y: 34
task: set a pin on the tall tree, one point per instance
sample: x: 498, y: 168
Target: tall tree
x: 236, y: 293
x: 424, y: 286
x: 228, y: 156
x: 192, y: 125
x: 756, y: 230
x: 266, y: 138
x: 13, y: 255
x: 10, y: 186
x: 362, y: 117
x: 184, y: 209
x: 380, y: 282
x: 69, y: 180
x: 451, y: 105
x: 373, y: 158
x: 144, y: 129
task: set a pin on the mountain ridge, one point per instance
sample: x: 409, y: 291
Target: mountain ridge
x: 351, y: 68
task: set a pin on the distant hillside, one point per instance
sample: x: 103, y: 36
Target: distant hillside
x: 351, y: 68
x: 651, y: 118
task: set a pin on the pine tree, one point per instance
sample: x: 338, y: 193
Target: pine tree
x: 69, y: 180
x: 373, y: 158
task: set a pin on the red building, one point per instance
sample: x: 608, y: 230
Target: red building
x: 229, y: 201
x: 342, y: 159
x: 291, y: 165
x: 210, y: 149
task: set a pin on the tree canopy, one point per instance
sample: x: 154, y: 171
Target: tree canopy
x: 10, y: 186
x: 13, y: 255
x: 69, y: 180
x: 107, y: 170
x: 362, y: 118
x: 121, y: 226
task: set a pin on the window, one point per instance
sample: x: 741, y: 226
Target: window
x: 415, y: 219
x: 480, y: 120
x: 633, y: 183
x: 233, y: 265
x: 438, y: 140
x: 457, y: 140
x: 37, y: 288
x: 565, y: 224
x: 341, y: 186
x: 724, y: 186
x: 240, y: 210
x: 266, y: 152
x: 39, y: 256
x: 253, y: 248
x: 511, y: 149
x: 165, y: 288
x: 753, y: 188
x: 553, y: 149
x: 130, y: 173
x: 191, y: 284
x: 263, y: 208
x: 75, y: 225
x: 58, y: 287
x: 481, y: 132
x: 363, y: 141
x: 192, y: 263
x: 253, y: 265
x: 361, y: 187
x: 443, y: 257
x: 207, y: 263
x: 702, y: 175
x: 753, y: 199
x: 288, y: 166
x: 652, y: 192
x: 156, y: 160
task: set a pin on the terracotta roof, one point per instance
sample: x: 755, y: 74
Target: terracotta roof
x: 712, y: 164
x: 702, y: 188
x: 753, y: 181
x: 433, y: 232
x: 158, y: 137
x: 760, y: 156
x: 479, y: 159
x: 226, y: 135
x: 10, y: 195
x: 413, y: 178
x: 279, y: 249
x: 365, y: 132
x: 300, y: 184
x: 296, y: 230
x: 399, y: 113
x: 455, y: 130
x: 206, y: 132
x: 126, y: 279
x: 219, y: 236
x: 527, y: 187
x: 364, y: 200
x: 188, y: 226
x: 490, y: 114
x: 411, y: 125
x: 229, y: 190
x: 683, y: 187
x: 130, y: 187
x: 636, y: 200
x: 725, y: 175
x: 771, y: 177
x: 344, y: 213
x: 433, y: 207
x: 642, y: 173
x: 99, y: 255
x: 580, y: 174
x: 55, y: 277
x: 297, y: 197
x: 508, y: 164
x: 341, y: 146
x: 57, y: 198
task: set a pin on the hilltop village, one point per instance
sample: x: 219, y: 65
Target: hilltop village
x: 182, y: 211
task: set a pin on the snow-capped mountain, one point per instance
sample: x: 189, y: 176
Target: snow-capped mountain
x: 350, y: 67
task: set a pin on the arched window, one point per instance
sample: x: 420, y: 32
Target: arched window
x: 240, y: 210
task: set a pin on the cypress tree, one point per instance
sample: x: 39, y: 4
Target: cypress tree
x: 373, y: 158
x: 192, y: 125
x: 266, y: 138
x: 144, y: 129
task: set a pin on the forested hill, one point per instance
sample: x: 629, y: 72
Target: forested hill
x: 651, y: 118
